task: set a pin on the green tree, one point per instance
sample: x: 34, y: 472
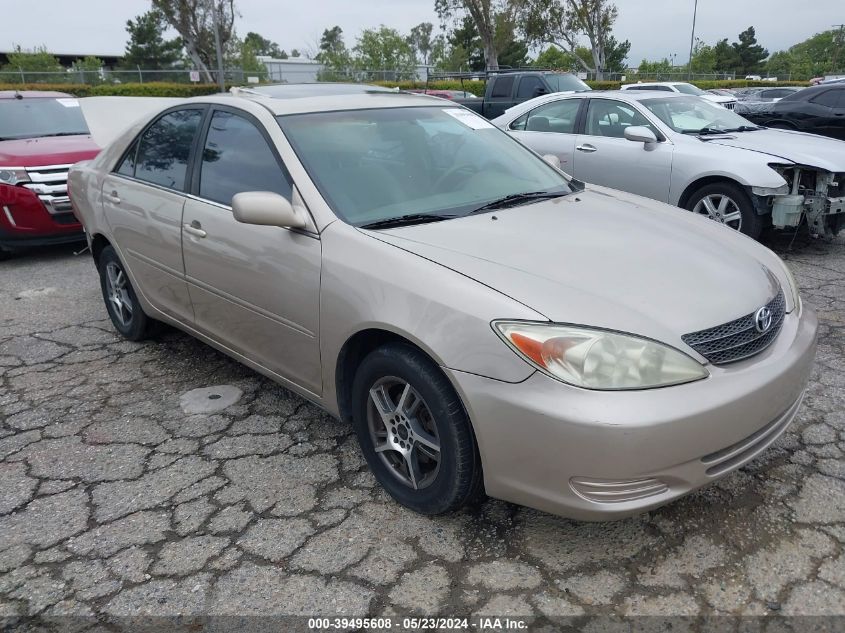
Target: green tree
x: 294, y: 53
x: 616, y: 54
x: 726, y: 58
x: 779, y: 65
x: 194, y: 21
x: 818, y: 55
x: 243, y: 55
x: 703, y: 58
x: 564, y: 22
x: 384, y: 49
x: 484, y: 15
x: 466, y: 51
x: 750, y: 55
x: 556, y: 59
x: 655, y: 69
x: 420, y: 41
x: 333, y: 52
x: 262, y: 46
x: 146, y: 48
x: 38, y: 61
x: 90, y: 69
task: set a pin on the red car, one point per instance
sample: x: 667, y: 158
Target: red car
x: 41, y: 135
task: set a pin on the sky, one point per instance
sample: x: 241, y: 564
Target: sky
x: 656, y: 28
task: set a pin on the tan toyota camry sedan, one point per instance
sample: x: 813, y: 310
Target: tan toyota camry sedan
x: 486, y: 323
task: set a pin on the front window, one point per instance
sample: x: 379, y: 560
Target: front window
x: 374, y: 165
x: 38, y: 117
x: 691, y: 115
x: 562, y: 82
x: 689, y: 89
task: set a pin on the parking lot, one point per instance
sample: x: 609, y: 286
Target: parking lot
x: 120, y: 495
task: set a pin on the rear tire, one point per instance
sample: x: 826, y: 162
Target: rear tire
x: 122, y: 304
x: 729, y: 204
x: 414, y: 432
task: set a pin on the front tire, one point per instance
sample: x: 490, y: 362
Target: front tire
x: 414, y: 432
x: 728, y: 204
x: 121, y: 301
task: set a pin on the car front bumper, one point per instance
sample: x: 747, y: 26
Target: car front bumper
x: 593, y: 455
x: 25, y: 221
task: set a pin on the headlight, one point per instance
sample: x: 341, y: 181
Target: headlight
x: 793, y: 288
x: 597, y: 359
x: 13, y: 176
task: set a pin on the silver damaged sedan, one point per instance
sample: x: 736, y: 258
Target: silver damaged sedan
x: 482, y: 320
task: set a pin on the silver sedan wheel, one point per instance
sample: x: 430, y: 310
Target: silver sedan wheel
x: 403, y: 432
x: 720, y: 208
x: 117, y: 287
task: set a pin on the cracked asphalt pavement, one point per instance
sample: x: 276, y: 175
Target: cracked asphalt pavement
x: 122, y: 494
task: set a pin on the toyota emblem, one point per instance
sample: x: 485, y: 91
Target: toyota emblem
x: 763, y: 320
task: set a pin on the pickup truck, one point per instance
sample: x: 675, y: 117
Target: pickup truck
x: 507, y: 89
x: 41, y: 135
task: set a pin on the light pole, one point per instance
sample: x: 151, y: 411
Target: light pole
x: 692, y: 41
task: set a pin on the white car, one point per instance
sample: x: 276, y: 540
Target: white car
x: 690, y: 153
x: 683, y: 88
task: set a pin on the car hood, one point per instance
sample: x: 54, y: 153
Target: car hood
x: 605, y: 259
x: 718, y: 98
x: 797, y: 147
x: 47, y: 150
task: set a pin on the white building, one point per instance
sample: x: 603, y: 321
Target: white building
x: 294, y: 70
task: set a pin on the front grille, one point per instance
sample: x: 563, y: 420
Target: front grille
x: 730, y: 105
x: 50, y: 185
x: 737, y: 339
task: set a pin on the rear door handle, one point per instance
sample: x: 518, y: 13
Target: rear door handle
x: 112, y: 197
x: 195, y: 229
x: 589, y: 149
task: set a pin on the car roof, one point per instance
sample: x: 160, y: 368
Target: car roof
x: 33, y: 94
x: 657, y: 83
x: 330, y: 103
x: 312, y: 89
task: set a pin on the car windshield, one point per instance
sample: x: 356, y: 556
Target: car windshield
x: 380, y: 164
x: 689, y: 89
x: 691, y: 115
x: 561, y: 82
x: 37, y: 117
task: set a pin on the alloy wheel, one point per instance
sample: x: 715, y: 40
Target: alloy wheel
x: 403, y: 432
x: 720, y: 208
x: 117, y: 287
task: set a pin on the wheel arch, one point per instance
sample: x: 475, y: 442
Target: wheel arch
x: 353, y: 352
x: 703, y: 182
x: 98, y: 243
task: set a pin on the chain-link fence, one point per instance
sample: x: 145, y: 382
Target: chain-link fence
x: 105, y: 76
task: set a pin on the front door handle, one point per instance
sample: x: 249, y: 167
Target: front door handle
x: 589, y: 149
x: 112, y: 197
x: 195, y: 229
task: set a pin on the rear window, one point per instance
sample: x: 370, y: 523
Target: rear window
x: 563, y: 82
x: 502, y: 87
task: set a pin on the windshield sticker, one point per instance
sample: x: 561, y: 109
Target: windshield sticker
x: 468, y: 118
x: 69, y: 103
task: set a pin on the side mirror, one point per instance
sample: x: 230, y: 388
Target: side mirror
x: 552, y: 160
x: 640, y: 134
x: 539, y: 91
x: 266, y: 209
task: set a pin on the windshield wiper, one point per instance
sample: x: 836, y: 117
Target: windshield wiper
x: 67, y: 134
x: 704, y: 131
x: 406, y: 220
x: 516, y: 199
x: 745, y: 128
